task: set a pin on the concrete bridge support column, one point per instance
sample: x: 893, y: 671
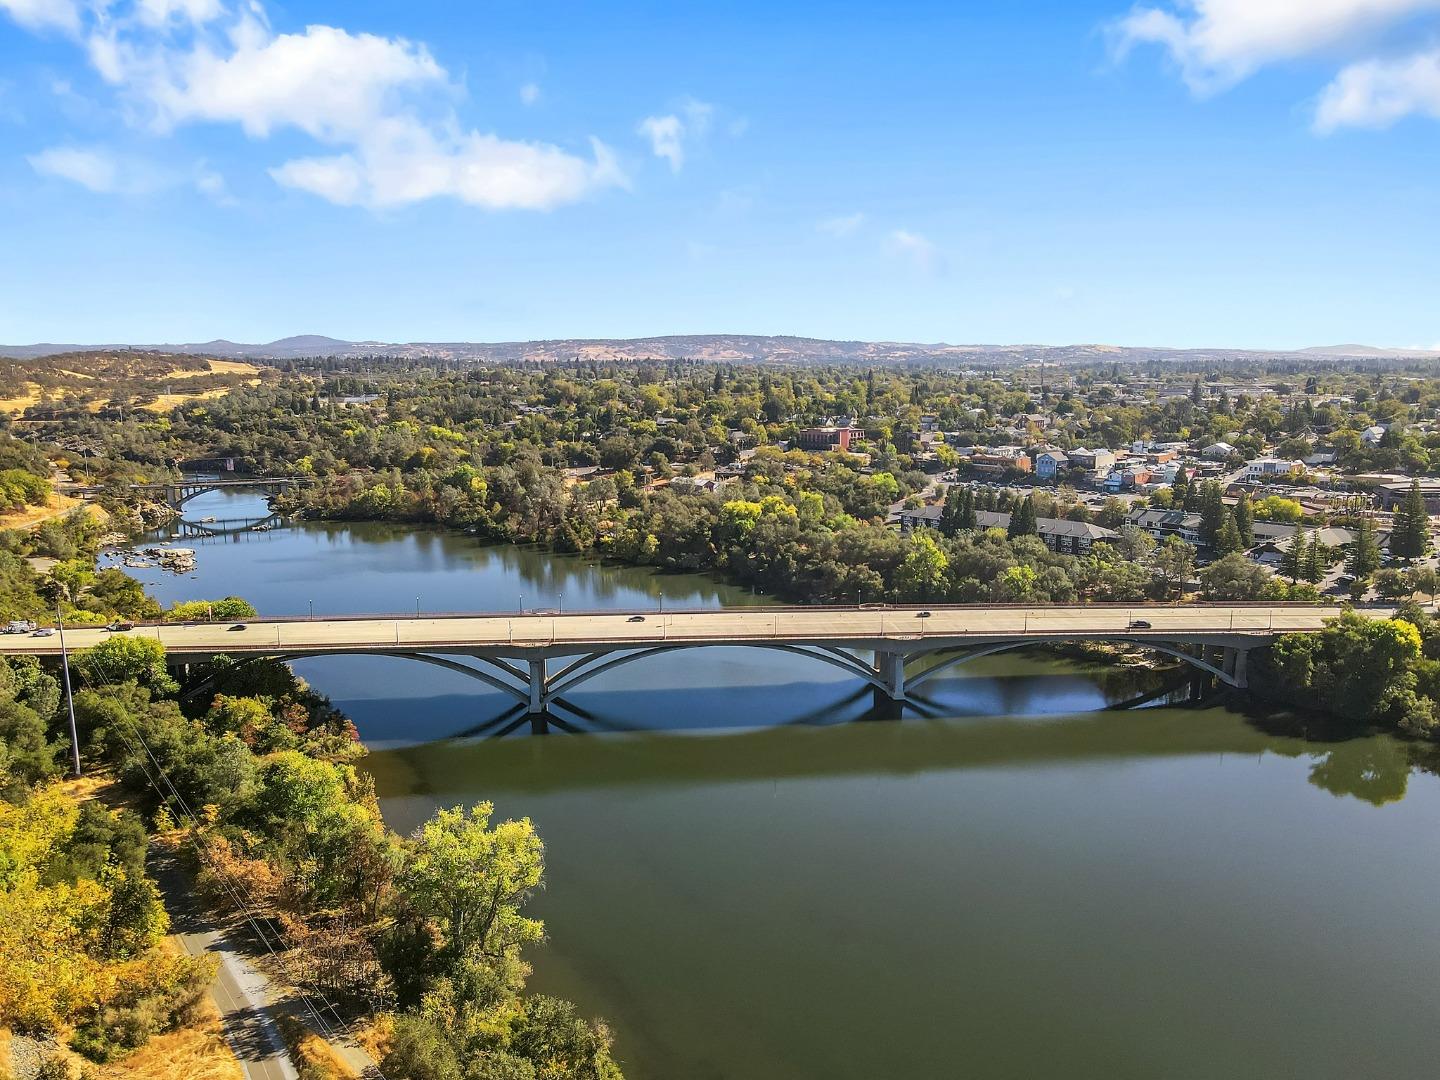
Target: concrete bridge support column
x: 538, y: 723
x: 537, y: 687
x: 1235, y: 665
x: 891, y: 668
x: 889, y: 697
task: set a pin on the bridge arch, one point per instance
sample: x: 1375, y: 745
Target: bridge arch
x: 1010, y: 646
x: 520, y: 693
x: 598, y: 663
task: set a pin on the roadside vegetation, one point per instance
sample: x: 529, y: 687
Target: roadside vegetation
x: 255, y: 785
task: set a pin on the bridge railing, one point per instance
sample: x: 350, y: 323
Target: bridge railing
x: 756, y: 609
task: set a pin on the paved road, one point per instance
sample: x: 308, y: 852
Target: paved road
x: 242, y: 994
x: 531, y: 633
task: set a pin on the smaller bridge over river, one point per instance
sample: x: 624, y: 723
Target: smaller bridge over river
x: 538, y: 658
x: 177, y: 494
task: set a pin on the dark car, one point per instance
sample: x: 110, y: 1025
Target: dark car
x: 636, y: 618
x: 237, y: 626
x: 118, y: 627
x: 1140, y: 624
x: 922, y: 614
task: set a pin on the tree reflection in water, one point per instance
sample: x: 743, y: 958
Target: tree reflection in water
x: 1375, y: 769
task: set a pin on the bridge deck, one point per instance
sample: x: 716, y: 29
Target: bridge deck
x: 904, y: 628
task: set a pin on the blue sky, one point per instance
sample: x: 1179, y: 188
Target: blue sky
x: 1185, y: 172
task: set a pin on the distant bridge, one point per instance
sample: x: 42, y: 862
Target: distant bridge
x: 539, y: 658
x: 177, y: 494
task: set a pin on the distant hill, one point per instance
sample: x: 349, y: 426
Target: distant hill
x: 739, y: 348
x: 1367, y: 351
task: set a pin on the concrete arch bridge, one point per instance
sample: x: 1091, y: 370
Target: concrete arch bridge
x: 539, y: 658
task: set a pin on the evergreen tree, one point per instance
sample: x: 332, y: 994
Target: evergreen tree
x: 950, y: 515
x: 1244, y: 515
x: 1411, y: 537
x: 968, y: 519
x: 1292, y: 559
x: 1022, y: 520
x: 1314, y: 562
x: 1212, y: 514
x: 1364, y: 557
x: 1180, y: 490
x: 1192, y: 497
x: 1228, y: 541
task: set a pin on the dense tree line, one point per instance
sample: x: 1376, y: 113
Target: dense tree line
x: 1367, y: 672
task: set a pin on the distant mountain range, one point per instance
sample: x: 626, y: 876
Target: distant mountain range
x: 714, y: 347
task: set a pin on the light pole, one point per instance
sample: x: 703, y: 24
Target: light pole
x: 312, y: 608
x: 562, y: 603
x: 522, y: 603
x: 417, y: 607
x: 69, y: 695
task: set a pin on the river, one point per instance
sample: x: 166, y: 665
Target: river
x: 750, y: 879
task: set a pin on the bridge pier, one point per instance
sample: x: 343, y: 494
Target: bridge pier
x: 1235, y: 664
x: 890, y: 696
x: 537, y: 687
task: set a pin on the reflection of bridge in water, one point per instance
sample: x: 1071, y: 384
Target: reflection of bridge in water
x: 213, y: 527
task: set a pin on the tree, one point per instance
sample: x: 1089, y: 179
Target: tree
x: 1180, y: 490
x: 968, y: 520
x: 1229, y: 542
x: 1212, y: 514
x: 1393, y: 584
x: 1364, y: 555
x: 1245, y: 520
x: 1022, y: 520
x: 1292, y: 559
x: 921, y: 575
x: 1357, y: 668
x: 1315, y: 559
x: 1424, y: 579
x: 126, y: 658
x: 473, y: 881
x: 1411, y: 536
x: 1173, y: 562
x: 1233, y: 578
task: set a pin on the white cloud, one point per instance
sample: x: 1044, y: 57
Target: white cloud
x: 529, y: 93
x: 44, y: 14
x: 407, y: 164
x: 99, y: 170
x: 161, y: 12
x: 924, y: 255
x: 666, y: 135
x: 844, y: 225
x: 1217, y: 43
x: 1376, y: 93
x: 669, y: 134
x: 88, y: 168
x: 383, y: 107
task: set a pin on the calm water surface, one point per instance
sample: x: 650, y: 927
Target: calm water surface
x: 749, y: 880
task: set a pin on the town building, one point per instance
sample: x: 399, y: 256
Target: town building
x: 830, y: 437
x: 1050, y: 464
x: 1061, y: 536
x: 1392, y: 494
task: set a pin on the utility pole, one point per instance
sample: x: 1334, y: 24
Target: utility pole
x: 69, y: 694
